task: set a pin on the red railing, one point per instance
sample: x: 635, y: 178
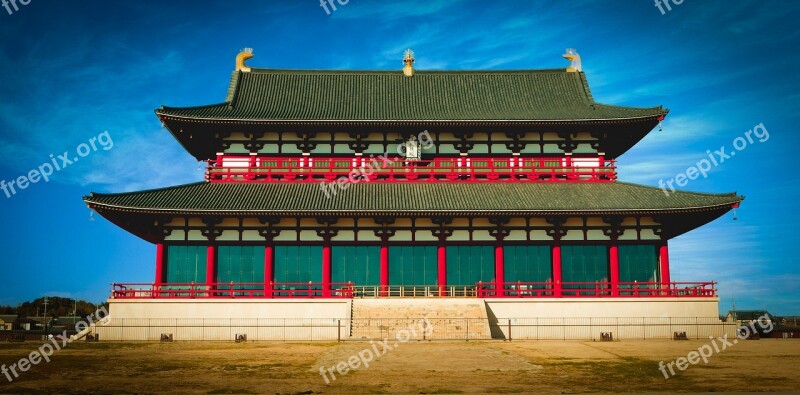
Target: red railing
x: 230, y: 290
x: 232, y: 168
x: 596, y: 290
x: 349, y: 290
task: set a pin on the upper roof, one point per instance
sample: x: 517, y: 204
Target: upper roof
x: 412, y: 197
x: 332, y: 95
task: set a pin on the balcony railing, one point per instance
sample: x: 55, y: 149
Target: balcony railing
x: 349, y: 290
x: 596, y: 290
x: 230, y: 168
x: 230, y: 290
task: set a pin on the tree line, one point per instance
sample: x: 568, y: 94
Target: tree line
x: 56, y: 307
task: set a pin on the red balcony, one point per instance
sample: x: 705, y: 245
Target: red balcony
x: 231, y: 168
x: 229, y: 290
x: 349, y: 290
x: 597, y: 290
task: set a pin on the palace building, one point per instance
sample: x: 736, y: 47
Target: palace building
x: 434, y: 189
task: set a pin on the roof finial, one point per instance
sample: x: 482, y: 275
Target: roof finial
x: 574, y: 58
x: 243, y: 55
x: 408, y: 60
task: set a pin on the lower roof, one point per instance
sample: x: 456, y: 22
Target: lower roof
x: 411, y: 198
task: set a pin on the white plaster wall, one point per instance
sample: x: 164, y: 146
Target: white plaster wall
x: 222, y: 319
x: 229, y: 308
x: 329, y: 319
x: 604, y: 307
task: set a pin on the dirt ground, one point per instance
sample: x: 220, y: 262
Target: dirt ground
x: 413, y: 367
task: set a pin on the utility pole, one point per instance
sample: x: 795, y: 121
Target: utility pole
x: 45, y: 318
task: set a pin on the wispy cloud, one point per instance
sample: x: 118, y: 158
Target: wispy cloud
x: 650, y: 169
x: 389, y: 11
x: 738, y: 264
x: 93, y: 98
x: 143, y: 160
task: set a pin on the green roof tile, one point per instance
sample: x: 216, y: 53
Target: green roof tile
x: 411, y: 197
x: 316, y: 95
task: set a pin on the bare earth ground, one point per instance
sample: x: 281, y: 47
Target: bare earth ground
x: 414, y: 367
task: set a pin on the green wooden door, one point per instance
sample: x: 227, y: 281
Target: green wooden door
x: 186, y: 264
x: 412, y: 265
x: 584, y: 263
x: 638, y: 263
x: 357, y: 264
x: 466, y: 265
x: 240, y: 264
x: 527, y: 263
x: 298, y: 264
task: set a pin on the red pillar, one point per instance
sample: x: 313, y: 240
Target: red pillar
x: 499, y: 270
x: 269, y: 270
x: 211, y: 267
x: 442, y: 264
x: 614, y: 267
x: 663, y: 252
x: 326, y: 269
x: 384, y: 270
x: 159, y: 264
x: 556, y: 252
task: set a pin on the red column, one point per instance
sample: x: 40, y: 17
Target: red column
x: 614, y: 267
x: 269, y: 270
x: 663, y: 252
x: 159, y: 264
x: 326, y: 269
x: 556, y: 252
x: 384, y: 269
x: 251, y: 170
x: 211, y: 267
x: 499, y: 270
x: 442, y: 264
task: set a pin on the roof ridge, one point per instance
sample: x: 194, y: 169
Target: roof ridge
x: 233, y: 87
x: 587, y: 92
x: 399, y: 72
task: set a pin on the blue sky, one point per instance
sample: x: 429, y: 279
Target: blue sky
x: 71, y: 70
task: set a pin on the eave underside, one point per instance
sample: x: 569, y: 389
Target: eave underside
x: 204, y: 138
x: 150, y: 225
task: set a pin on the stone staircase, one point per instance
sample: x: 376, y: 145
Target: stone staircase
x: 419, y: 319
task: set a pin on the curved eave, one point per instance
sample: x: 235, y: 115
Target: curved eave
x: 162, y: 115
x: 160, y: 211
x: 138, y: 218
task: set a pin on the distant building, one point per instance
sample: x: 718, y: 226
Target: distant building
x: 786, y: 328
x: 7, y: 322
x: 27, y: 324
x: 764, y: 321
x: 745, y: 316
